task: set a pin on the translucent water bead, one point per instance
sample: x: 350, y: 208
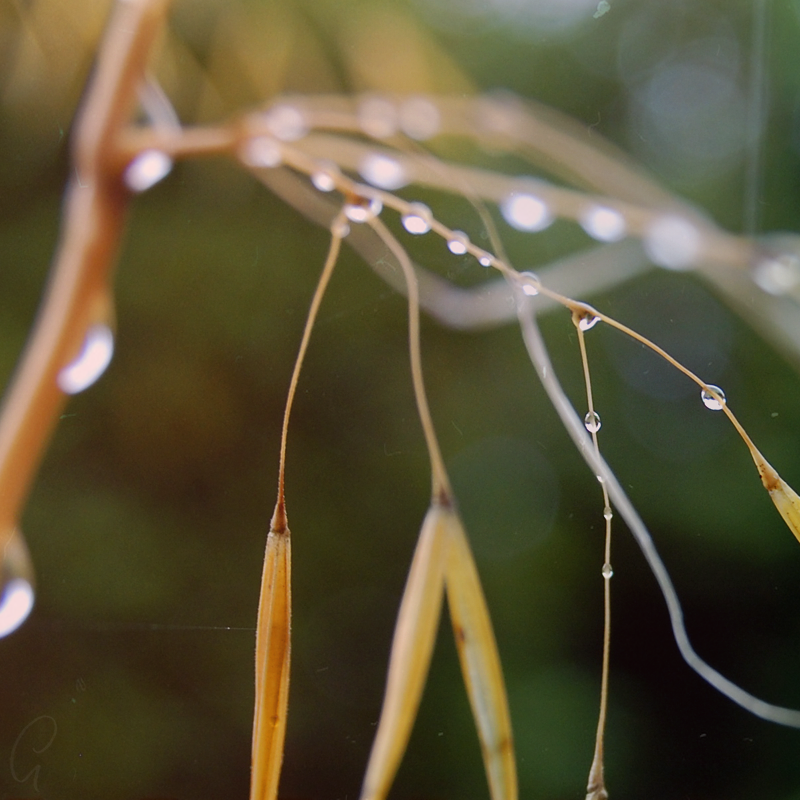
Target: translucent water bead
x: 377, y: 117
x: 419, y: 118
x: 710, y: 400
x: 91, y: 362
x: 325, y: 178
x: 16, y: 585
x: 603, y: 224
x: 592, y: 422
x: 608, y: 572
x: 146, y: 170
x: 363, y: 209
x: 526, y: 212
x: 777, y: 276
x: 529, y: 283
x: 383, y: 171
x: 286, y: 123
x: 262, y: 151
x: 458, y: 243
x: 672, y: 242
x: 417, y: 219
x: 588, y: 321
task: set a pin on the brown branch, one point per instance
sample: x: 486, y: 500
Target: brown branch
x: 78, y: 294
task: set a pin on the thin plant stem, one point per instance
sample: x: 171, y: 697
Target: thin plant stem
x: 441, y: 491
x: 596, y: 785
x: 575, y: 428
x: 279, y: 515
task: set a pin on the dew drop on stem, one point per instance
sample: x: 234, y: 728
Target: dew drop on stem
x: 592, y: 422
x: 417, y: 219
x: 588, y: 321
x: 16, y: 585
x: 713, y: 399
x: 363, y: 209
x: 90, y: 363
x: 146, y: 170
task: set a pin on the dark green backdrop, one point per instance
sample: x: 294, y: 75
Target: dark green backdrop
x: 148, y: 520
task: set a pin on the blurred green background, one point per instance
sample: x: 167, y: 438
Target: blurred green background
x: 148, y: 520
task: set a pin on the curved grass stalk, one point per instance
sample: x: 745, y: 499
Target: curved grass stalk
x: 544, y: 369
x: 596, y: 786
x: 442, y: 559
x: 273, y: 629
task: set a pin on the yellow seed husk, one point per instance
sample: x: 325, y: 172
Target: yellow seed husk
x: 480, y: 663
x: 788, y: 504
x: 273, y: 651
x: 412, y: 647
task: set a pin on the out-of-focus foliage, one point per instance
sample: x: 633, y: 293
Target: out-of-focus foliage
x: 148, y: 521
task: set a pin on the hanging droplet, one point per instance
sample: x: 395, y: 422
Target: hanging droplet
x: 383, y: 171
x: 604, y: 224
x: 325, y: 179
x: 419, y: 118
x: 16, y: 585
x: 146, y: 170
x: 363, y: 210
x: 529, y: 282
x: 377, y: 117
x: 710, y: 398
x: 608, y: 572
x: 672, y: 242
x: 608, y: 514
x: 262, y: 151
x: 777, y: 276
x: 526, y: 212
x: 592, y: 421
x: 417, y: 219
x: 286, y: 123
x: 588, y: 321
x: 340, y: 228
x: 485, y: 261
x: 91, y: 362
x: 458, y: 243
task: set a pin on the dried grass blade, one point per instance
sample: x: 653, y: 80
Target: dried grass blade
x: 480, y: 662
x: 412, y: 647
x: 273, y: 653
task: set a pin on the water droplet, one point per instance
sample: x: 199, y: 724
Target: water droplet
x: 458, y: 243
x: 383, y: 171
x: 777, y: 276
x: 600, y: 479
x: 16, y: 585
x: 286, y: 123
x: 529, y: 282
x: 608, y: 514
x: 91, y: 362
x: 419, y: 118
x: 608, y: 572
x: 262, y: 151
x: 363, y: 210
x: 146, y: 170
x: 592, y: 422
x: 485, y: 260
x: 417, y: 219
x: 710, y: 400
x: 377, y: 117
x: 588, y: 321
x: 325, y: 178
x: 672, y: 242
x: 526, y: 212
x: 604, y: 224
x: 340, y: 228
